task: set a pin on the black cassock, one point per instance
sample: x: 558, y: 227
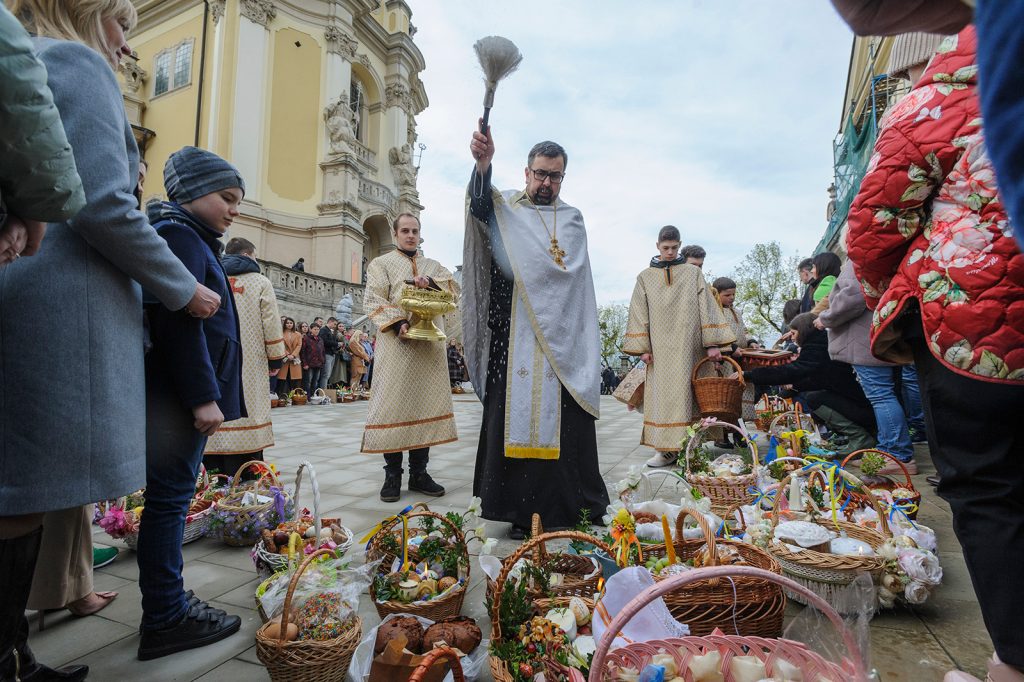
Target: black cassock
x: 512, y: 490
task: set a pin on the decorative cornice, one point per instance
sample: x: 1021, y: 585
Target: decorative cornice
x: 340, y: 42
x: 134, y: 75
x: 398, y: 95
x: 259, y: 11
x: 217, y: 10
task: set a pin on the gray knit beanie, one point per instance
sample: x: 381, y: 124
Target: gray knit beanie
x: 911, y: 49
x: 191, y: 173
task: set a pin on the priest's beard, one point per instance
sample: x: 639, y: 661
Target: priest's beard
x: 543, y: 196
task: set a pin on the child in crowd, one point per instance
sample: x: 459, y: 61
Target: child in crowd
x: 194, y: 383
x: 672, y: 317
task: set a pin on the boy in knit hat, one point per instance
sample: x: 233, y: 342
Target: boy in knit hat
x: 194, y: 377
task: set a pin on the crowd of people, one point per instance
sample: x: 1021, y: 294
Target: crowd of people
x: 321, y: 355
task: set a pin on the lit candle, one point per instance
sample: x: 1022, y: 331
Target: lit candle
x: 670, y: 550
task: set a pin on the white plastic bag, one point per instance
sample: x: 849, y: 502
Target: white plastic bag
x: 472, y: 665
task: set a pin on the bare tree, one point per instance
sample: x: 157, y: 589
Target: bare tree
x: 765, y: 280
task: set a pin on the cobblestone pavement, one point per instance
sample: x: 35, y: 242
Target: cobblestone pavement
x: 917, y: 644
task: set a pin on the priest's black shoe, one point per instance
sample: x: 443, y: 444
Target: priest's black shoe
x: 392, y: 489
x: 32, y: 671
x: 201, y: 625
x: 420, y: 481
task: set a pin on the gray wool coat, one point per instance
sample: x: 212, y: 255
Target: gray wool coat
x: 72, y: 409
x: 848, y: 321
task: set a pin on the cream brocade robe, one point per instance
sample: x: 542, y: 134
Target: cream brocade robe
x: 411, y: 400
x: 260, y: 326
x: 735, y: 319
x: 674, y: 317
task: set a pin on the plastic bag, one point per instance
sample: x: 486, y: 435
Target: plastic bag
x: 856, y: 603
x: 472, y: 664
x: 328, y: 577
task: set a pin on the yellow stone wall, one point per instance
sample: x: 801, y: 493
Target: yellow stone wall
x: 294, y: 120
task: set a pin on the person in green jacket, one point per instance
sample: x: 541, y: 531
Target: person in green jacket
x: 825, y: 269
x: 39, y: 182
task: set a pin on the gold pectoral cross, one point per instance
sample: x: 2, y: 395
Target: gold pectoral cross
x: 557, y: 253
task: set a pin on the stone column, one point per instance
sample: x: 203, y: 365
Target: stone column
x: 249, y: 115
x: 217, y: 11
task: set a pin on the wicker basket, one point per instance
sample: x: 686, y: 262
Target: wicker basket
x: 298, y: 397
x: 825, y: 573
x: 719, y: 396
x: 306, y: 660
x: 579, y: 577
x: 747, y: 606
x: 446, y: 606
x: 267, y: 562
x: 914, y: 499
x: 197, y: 520
x: 723, y: 492
x: 431, y: 657
x: 772, y: 407
x: 242, y: 524
x: 638, y: 654
x: 499, y: 669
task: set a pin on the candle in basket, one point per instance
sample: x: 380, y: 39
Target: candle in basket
x: 670, y: 550
x: 795, y: 501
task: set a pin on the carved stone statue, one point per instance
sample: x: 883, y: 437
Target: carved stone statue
x: 401, y: 166
x: 340, y: 123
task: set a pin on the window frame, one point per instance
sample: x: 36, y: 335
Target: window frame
x: 171, y: 53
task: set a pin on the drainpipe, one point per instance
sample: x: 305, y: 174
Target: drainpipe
x: 202, y: 70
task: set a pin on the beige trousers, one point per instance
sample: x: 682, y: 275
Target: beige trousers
x: 64, y: 568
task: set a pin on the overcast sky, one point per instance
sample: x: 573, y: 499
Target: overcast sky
x: 716, y: 117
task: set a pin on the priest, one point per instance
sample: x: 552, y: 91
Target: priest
x: 532, y: 345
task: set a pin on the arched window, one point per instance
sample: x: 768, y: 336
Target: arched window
x: 357, y: 101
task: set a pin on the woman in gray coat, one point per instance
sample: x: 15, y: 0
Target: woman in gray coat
x: 84, y: 438
x: 848, y: 321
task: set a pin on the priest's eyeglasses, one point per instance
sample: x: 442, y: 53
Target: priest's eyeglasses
x: 542, y: 175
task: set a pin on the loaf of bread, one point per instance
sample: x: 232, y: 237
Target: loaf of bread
x: 459, y: 632
x: 406, y: 625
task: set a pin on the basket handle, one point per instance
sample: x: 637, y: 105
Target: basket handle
x: 709, y: 535
x: 906, y: 474
x: 457, y: 534
x: 706, y: 424
x: 678, y: 582
x: 262, y: 467
x: 806, y: 471
x: 316, y: 496
x: 298, y: 391
x: 431, y: 657
x: 202, y: 481
x: 523, y: 550
x: 648, y: 475
x: 320, y: 393
x: 726, y: 358
x: 536, y: 530
x: 292, y: 584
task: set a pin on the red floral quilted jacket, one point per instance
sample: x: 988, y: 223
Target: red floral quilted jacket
x: 928, y: 224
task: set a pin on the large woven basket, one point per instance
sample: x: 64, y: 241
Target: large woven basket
x: 770, y: 407
x: 298, y: 397
x: 267, y: 562
x: 579, y: 577
x: 636, y: 655
x: 499, y: 669
x: 445, y: 606
x: 744, y: 606
x: 825, y: 573
x: 907, y: 505
x: 242, y: 523
x: 719, y: 396
x: 724, y: 492
x: 306, y: 660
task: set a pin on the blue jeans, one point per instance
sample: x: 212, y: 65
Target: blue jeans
x: 174, y: 450
x: 880, y: 389
x: 912, y: 399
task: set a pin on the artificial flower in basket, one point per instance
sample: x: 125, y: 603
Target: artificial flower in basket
x: 121, y: 519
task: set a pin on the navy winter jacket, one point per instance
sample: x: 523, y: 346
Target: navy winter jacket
x: 200, y: 360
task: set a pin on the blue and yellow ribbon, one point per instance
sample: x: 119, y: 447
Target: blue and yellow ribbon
x: 904, y: 509
x: 760, y: 496
x: 403, y: 516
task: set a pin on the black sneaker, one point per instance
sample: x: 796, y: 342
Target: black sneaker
x: 392, y: 489
x: 201, y: 625
x: 423, y: 483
